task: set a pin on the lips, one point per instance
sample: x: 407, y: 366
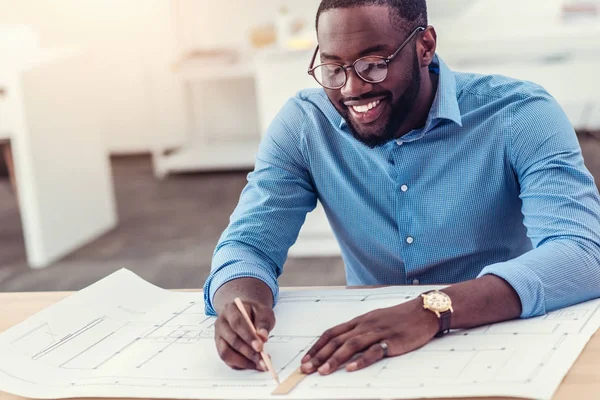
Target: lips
x: 366, y: 112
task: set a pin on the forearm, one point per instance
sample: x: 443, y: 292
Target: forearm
x: 247, y: 289
x: 482, y: 301
x: 557, y: 274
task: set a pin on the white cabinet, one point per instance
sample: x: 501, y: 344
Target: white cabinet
x: 62, y: 170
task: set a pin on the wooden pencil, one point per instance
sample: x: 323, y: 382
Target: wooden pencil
x: 263, y: 354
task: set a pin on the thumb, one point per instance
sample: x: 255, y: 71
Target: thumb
x: 264, y: 320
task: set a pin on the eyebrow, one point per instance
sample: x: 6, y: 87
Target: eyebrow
x: 365, y: 52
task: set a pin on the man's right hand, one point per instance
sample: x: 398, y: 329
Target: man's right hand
x: 237, y: 344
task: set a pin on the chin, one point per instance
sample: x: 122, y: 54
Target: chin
x: 371, y: 136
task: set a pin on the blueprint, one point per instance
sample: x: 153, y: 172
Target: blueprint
x: 124, y: 337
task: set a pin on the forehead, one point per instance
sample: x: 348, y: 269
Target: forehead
x: 345, y: 32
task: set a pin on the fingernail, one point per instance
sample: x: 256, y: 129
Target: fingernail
x: 324, y: 368
x: 305, y: 358
x: 308, y: 367
x: 264, y: 333
x: 351, y: 366
x: 262, y: 365
x: 257, y: 346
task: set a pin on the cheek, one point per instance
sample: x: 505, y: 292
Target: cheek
x: 334, y: 95
x: 336, y: 99
x: 399, y: 80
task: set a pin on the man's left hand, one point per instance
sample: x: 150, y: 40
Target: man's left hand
x: 402, y: 328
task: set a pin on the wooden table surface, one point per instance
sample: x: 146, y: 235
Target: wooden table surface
x: 581, y: 383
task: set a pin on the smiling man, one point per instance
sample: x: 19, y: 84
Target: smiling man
x: 427, y: 176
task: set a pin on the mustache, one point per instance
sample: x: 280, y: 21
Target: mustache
x: 365, y: 97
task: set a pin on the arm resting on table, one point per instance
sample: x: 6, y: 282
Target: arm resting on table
x: 561, y: 210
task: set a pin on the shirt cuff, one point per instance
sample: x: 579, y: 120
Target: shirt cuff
x: 527, y: 285
x: 222, y: 276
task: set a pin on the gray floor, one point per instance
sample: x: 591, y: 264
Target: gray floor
x: 166, y: 234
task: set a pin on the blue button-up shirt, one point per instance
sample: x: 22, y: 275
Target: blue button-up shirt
x: 494, y: 183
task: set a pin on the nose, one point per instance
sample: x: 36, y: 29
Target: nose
x: 355, y: 86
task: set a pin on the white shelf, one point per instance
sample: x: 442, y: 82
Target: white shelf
x: 222, y: 120
x: 206, y: 157
x: 197, y: 71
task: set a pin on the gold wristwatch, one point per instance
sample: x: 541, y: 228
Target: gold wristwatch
x: 440, y: 304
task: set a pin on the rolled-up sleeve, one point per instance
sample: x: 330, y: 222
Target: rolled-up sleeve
x: 561, y: 209
x: 271, y: 209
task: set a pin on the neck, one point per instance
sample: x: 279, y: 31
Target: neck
x: 422, y: 105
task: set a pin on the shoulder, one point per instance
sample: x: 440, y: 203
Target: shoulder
x: 315, y: 101
x: 496, y: 86
x: 308, y: 108
x: 517, y: 101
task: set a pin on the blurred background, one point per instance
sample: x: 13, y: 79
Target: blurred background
x: 127, y: 127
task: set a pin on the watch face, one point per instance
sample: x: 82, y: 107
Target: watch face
x: 437, y: 301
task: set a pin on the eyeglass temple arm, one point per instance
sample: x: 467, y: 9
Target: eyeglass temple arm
x: 312, y: 61
x: 419, y: 29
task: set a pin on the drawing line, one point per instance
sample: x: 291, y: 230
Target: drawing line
x: 130, y: 311
x: 32, y: 331
x: 67, y: 339
x: 88, y: 348
x: 299, y: 353
x: 163, y: 349
x: 157, y: 327
x: 589, y: 318
x: 116, y: 353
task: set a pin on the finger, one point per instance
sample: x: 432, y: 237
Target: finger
x: 326, y: 337
x: 351, y: 347
x: 240, y: 326
x: 232, y: 358
x: 264, y: 320
x: 326, y: 351
x: 239, y: 345
x: 374, y: 353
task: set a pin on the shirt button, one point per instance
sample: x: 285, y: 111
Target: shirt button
x: 404, y: 188
x: 410, y: 240
x: 399, y: 142
x: 415, y: 282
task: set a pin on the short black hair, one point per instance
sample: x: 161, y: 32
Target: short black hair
x: 413, y: 11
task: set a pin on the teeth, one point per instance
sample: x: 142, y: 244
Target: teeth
x: 366, y: 107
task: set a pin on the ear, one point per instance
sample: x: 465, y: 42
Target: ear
x: 426, y: 46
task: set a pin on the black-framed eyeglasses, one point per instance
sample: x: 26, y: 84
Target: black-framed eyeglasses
x: 371, y: 69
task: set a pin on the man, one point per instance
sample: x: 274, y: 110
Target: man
x: 427, y: 176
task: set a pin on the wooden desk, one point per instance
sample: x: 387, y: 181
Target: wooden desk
x: 581, y: 383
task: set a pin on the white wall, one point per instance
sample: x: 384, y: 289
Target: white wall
x: 135, y: 43
x: 133, y: 47
x: 211, y: 24
x: 208, y: 23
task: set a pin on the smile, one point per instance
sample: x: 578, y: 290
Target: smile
x: 366, y: 107
x: 366, y: 112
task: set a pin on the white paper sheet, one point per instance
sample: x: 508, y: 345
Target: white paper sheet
x: 123, y: 337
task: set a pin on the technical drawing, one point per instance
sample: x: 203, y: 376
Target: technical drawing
x: 149, y: 342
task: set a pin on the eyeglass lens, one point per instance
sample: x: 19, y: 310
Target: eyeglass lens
x: 371, y: 69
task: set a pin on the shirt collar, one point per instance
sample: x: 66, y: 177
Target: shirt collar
x: 445, y: 103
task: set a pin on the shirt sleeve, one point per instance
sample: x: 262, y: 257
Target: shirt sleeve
x: 271, y: 209
x: 561, y: 210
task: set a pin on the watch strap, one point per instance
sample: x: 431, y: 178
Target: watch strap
x: 444, y: 320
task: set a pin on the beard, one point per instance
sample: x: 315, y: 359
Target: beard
x: 400, y: 110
